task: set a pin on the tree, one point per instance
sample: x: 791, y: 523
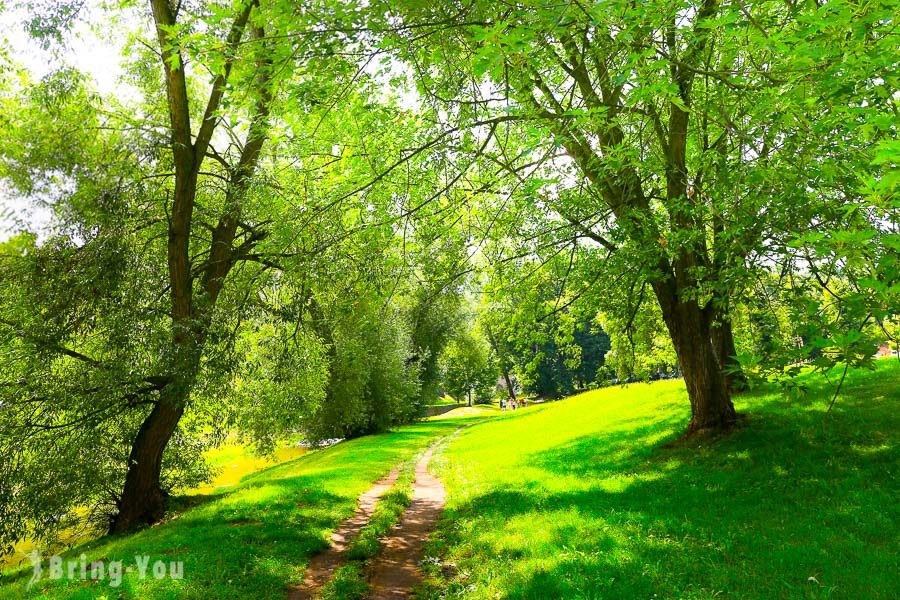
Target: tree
x: 373, y: 382
x: 504, y: 360
x: 468, y: 367
x: 665, y: 112
x: 171, y: 230
x: 192, y: 308
x: 552, y: 347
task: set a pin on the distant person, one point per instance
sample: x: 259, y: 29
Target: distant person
x: 502, y: 405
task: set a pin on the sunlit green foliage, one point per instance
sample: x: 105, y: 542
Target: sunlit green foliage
x: 469, y: 368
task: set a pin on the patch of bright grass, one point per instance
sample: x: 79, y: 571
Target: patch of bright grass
x: 446, y: 400
x: 478, y: 410
x: 586, y: 498
x: 252, y: 540
x: 347, y: 583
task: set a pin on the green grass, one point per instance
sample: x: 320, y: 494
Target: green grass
x: 347, y: 583
x: 256, y: 538
x: 587, y: 498
x: 445, y: 401
x: 230, y: 462
x: 584, y: 498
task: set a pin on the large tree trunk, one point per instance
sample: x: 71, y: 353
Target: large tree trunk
x: 711, y: 407
x: 143, y: 500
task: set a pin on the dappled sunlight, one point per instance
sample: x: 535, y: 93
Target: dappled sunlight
x: 873, y: 449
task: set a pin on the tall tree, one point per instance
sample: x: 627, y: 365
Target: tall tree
x: 664, y: 109
x: 171, y: 230
x: 193, y: 289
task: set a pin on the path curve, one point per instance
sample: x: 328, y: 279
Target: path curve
x: 395, y: 572
x: 323, y: 565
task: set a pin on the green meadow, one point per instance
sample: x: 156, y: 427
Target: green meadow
x: 594, y: 496
x: 252, y: 540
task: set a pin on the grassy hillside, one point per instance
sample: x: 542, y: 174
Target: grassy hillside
x: 585, y: 499
x: 591, y: 497
x: 252, y: 540
x: 231, y: 462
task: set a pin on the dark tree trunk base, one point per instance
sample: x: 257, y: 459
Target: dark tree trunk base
x: 692, y: 337
x: 150, y: 510
x: 725, y: 425
x: 143, y: 501
x: 691, y: 438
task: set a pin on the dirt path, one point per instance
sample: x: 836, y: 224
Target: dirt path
x: 395, y: 572
x: 323, y: 565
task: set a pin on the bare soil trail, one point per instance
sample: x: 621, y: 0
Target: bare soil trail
x: 395, y: 572
x: 324, y: 564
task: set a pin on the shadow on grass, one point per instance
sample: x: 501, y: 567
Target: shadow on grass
x: 229, y: 549
x: 254, y: 539
x: 793, y: 504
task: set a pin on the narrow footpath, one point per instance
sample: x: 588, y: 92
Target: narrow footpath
x: 395, y: 571
x: 324, y: 564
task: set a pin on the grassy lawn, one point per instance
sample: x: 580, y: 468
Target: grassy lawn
x: 231, y: 462
x: 250, y: 540
x: 585, y: 499
x: 464, y: 411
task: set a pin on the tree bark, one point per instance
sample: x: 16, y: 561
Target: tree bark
x: 143, y: 500
x: 689, y: 327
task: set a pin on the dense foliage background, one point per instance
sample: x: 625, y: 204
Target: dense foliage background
x: 320, y: 219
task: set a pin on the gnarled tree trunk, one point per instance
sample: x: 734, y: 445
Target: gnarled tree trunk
x: 689, y: 326
x: 143, y: 500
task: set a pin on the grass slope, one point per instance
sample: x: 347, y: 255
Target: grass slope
x: 584, y: 498
x: 231, y: 463
x: 253, y: 540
